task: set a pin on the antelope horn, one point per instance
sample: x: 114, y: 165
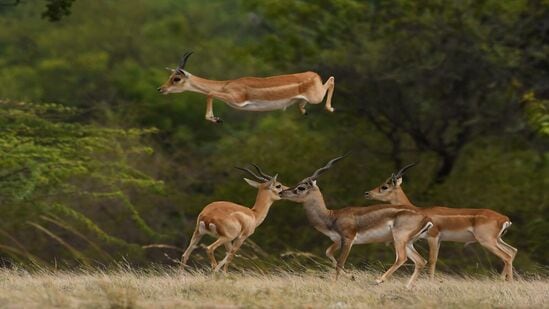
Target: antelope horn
x: 326, y: 167
x: 403, y: 170
x: 183, y: 61
x: 261, y: 171
x: 252, y: 173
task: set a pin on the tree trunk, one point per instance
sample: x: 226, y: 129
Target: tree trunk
x: 446, y: 166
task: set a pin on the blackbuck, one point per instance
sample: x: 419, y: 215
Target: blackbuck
x: 253, y: 93
x: 231, y: 223
x: 465, y: 225
x: 400, y: 224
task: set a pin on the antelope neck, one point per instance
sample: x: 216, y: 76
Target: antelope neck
x: 205, y: 86
x: 317, y: 213
x: 261, y: 206
x: 399, y: 197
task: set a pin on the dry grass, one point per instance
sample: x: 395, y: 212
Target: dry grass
x: 169, y: 289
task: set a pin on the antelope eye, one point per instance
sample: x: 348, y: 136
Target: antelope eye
x: 384, y: 187
x: 278, y: 186
x: 300, y: 188
x: 176, y: 79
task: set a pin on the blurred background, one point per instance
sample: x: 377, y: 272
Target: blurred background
x: 97, y: 168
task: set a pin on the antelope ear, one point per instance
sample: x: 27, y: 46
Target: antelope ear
x: 272, y: 182
x: 252, y: 183
x: 314, y: 183
x: 398, y: 182
x: 182, y: 72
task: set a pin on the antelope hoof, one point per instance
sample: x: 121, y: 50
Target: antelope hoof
x: 330, y: 109
x: 214, y: 119
x: 378, y: 281
x: 410, y: 284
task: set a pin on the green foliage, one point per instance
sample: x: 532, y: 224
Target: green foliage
x: 56, y: 9
x: 435, y: 73
x: 538, y: 113
x: 51, y: 166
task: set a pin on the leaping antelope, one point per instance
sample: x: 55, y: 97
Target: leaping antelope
x: 400, y: 224
x: 253, y: 93
x: 231, y: 223
x: 465, y: 225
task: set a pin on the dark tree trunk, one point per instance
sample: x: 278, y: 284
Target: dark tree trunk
x: 446, y: 166
x: 396, y: 150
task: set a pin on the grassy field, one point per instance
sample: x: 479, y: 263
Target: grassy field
x: 170, y: 289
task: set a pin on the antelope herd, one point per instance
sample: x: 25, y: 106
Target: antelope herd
x: 466, y: 225
x: 399, y: 221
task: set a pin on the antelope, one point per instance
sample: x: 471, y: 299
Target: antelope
x: 465, y: 225
x: 231, y: 223
x: 253, y: 93
x: 400, y: 224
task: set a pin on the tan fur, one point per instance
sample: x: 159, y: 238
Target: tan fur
x: 255, y: 93
x: 400, y: 224
x: 231, y: 223
x: 465, y: 225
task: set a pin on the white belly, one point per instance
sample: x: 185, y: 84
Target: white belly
x: 264, y: 105
x: 378, y: 234
x: 458, y: 236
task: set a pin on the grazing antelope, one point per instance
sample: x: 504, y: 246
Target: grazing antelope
x: 466, y: 225
x: 400, y: 224
x: 231, y: 223
x: 253, y: 93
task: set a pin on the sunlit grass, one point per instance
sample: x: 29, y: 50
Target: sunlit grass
x: 168, y: 288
